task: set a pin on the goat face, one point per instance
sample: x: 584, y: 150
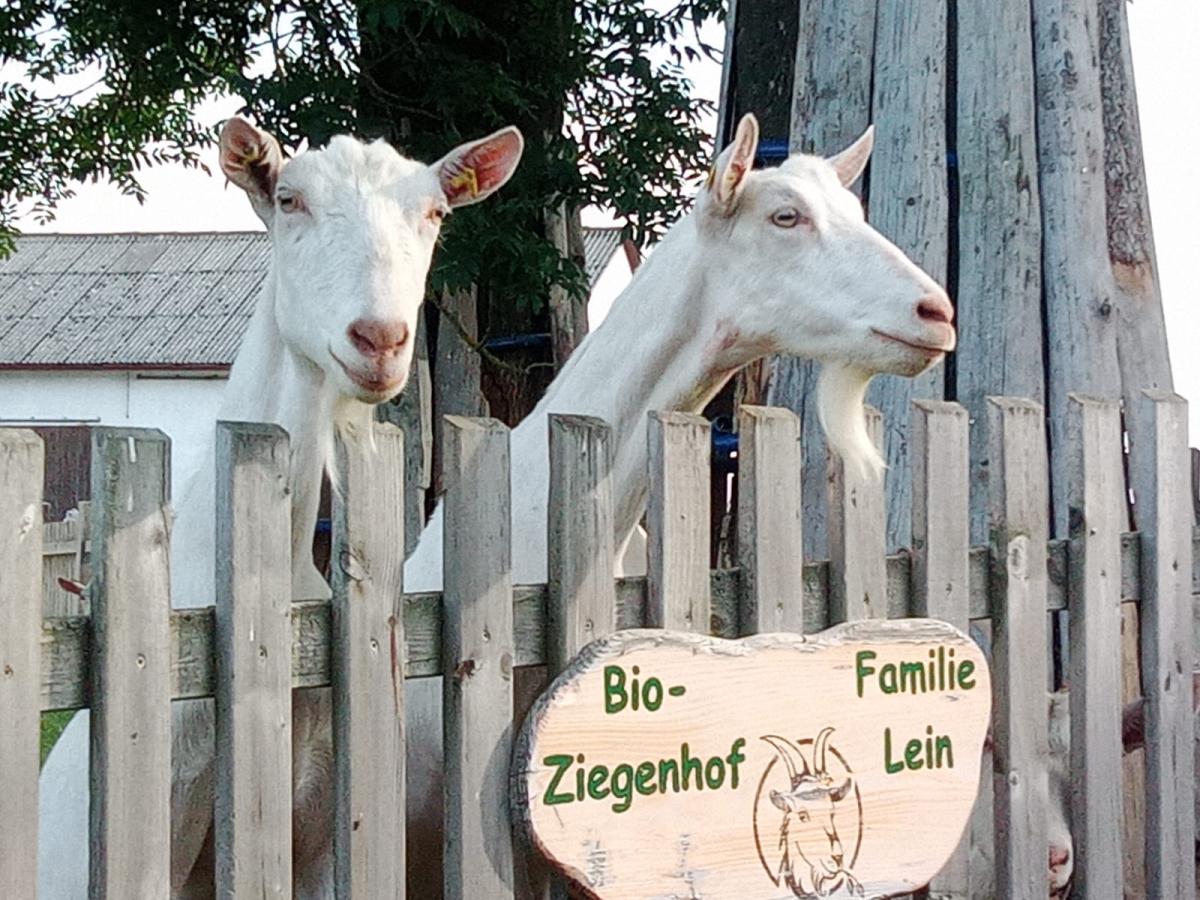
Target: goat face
x: 813, y: 862
x: 353, y: 227
x: 807, y: 276
x: 817, y: 280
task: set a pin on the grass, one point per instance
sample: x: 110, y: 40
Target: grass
x: 53, y: 724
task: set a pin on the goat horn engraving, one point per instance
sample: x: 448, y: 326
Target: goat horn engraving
x: 819, y: 750
x: 791, y: 755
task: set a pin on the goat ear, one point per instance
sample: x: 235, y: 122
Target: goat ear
x: 252, y: 160
x: 476, y: 170
x: 849, y: 164
x: 728, y: 176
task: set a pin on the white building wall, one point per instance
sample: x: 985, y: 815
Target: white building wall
x: 182, y: 405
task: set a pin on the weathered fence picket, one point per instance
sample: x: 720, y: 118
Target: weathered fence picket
x: 367, y: 622
x: 1018, y: 503
x: 677, y: 516
x: 130, y: 824
x: 941, y: 550
x: 478, y: 653
x: 857, y: 571
x: 21, y: 466
x: 253, y: 825
x: 1097, y: 502
x: 1159, y: 464
x: 371, y: 636
x: 770, y: 532
x: 582, y: 601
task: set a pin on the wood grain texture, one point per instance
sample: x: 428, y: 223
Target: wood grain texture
x: 1160, y: 466
x: 130, y: 701
x: 999, y: 294
x: 1096, y: 497
x: 1142, y: 334
x: 725, y: 838
x: 940, y: 556
x: 1077, y: 283
x: 253, y: 825
x: 582, y: 597
x: 677, y: 516
x: 581, y: 593
x: 22, y: 461
x: 478, y: 653
x: 857, y: 573
x: 1018, y: 493
x: 909, y: 204
x: 66, y: 643
x: 368, y: 665
x: 770, y: 528
x: 457, y: 390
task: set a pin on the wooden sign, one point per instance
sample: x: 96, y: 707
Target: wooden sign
x: 843, y: 764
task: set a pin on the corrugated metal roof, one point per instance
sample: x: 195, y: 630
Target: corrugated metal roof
x: 147, y: 300
x: 599, y: 245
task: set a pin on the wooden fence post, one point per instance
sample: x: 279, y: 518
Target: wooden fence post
x: 940, y: 552
x: 770, y: 520
x: 678, y: 518
x: 582, y: 602
x: 130, y: 823
x: 857, y: 547
x: 478, y: 653
x: 1018, y: 489
x: 22, y: 459
x: 254, y: 663
x: 367, y: 656
x: 582, y: 594
x: 1096, y: 497
x: 1160, y: 470
x: 999, y: 224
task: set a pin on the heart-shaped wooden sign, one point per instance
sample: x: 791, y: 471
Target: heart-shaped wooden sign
x: 663, y: 765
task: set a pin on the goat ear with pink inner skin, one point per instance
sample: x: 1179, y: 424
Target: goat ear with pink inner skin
x: 728, y: 176
x: 476, y: 170
x: 849, y: 164
x: 252, y: 160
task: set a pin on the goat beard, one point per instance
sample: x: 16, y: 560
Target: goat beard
x: 841, y: 393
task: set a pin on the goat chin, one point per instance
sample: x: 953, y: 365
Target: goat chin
x: 841, y: 392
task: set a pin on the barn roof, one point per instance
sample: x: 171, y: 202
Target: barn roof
x: 173, y: 301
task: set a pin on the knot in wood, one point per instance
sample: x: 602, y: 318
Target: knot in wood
x: 465, y: 669
x: 1018, y: 556
x: 352, y: 566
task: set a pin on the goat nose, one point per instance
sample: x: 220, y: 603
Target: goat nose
x: 1059, y: 857
x: 935, y: 308
x: 373, y: 337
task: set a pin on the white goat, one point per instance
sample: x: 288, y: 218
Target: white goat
x: 769, y: 261
x: 352, y: 228
x: 1061, y: 849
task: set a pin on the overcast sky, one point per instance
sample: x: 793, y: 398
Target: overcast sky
x: 1166, y: 35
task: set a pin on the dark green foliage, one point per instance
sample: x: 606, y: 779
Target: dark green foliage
x: 425, y: 74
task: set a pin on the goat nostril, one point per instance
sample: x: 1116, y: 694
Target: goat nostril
x: 935, y: 308
x: 1059, y: 856
x: 361, y: 341
x: 377, y: 338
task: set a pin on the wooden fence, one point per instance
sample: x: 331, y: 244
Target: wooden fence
x: 133, y: 653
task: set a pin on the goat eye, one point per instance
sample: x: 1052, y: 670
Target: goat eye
x: 789, y: 217
x: 289, y: 202
x: 802, y: 815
